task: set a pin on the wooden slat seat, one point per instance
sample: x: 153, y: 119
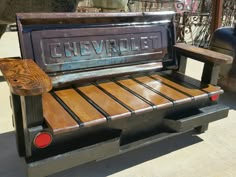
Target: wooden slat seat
x: 208, y: 88
x: 191, y: 91
x: 154, y: 98
x: 133, y: 102
x: 176, y: 96
x: 113, y: 109
x: 84, y: 112
x: 57, y: 118
x: 102, y: 101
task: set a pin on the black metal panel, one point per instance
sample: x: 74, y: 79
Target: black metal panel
x: 203, y: 116
x: 100, y: 150
x: 32, y: 117
x: 18, y: 123
x: 32, y: 110
x: 210, y: 73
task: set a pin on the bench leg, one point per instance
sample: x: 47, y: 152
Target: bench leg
x: 210, y: 73
x: 182, y: 64
x: 201, y: 129
x: 18, y: 124
x: 32, y: 118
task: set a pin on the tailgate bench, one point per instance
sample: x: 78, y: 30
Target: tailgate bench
x: 98, y: 85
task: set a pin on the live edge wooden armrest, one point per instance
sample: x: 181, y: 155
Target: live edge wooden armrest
x: 25, y: 77
x: 201, y: 54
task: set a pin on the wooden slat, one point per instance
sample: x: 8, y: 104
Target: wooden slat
x: 203, y: 55
x: 212, y: 89
x: 196, y: 93
x: 56, y: 116
x: 85, y: 111
x: 165, y: 90
x: 149, y: 95
x: 136, y: 104
x: 205, y: 87
x: 110, y: 106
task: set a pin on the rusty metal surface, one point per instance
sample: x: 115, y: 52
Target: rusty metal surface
x: 63, y: 50
x: 161, y: 15
x: 64, y: 80
x: 69, y: 42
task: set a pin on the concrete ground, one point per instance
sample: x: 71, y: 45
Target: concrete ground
x: 212, y: 154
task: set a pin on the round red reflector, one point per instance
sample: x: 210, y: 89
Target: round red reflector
x: 214, y: 97
x: 42, y: 140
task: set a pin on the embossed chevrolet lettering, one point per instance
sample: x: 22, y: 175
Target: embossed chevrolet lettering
x: 107, y: 47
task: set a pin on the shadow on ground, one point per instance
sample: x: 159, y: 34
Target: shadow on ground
x: 228, y: 99
x: 11, y: 165
x: 130, y: 159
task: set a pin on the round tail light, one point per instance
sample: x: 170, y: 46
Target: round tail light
x: 42, y: 140
x: 215, y: 97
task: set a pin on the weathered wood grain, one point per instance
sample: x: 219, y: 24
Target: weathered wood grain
x: 85, y: 111
x: 164, y: 89
x: 195, y: 93
x: 58, y: 119
x: 205, y: 87
x: 136, y: 104
x: 24, y: 77
x: 203, y: 55
x: 149, y: 95
x: 109, y: 105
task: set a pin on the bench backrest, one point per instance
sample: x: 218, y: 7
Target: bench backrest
x: 76, y: 46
